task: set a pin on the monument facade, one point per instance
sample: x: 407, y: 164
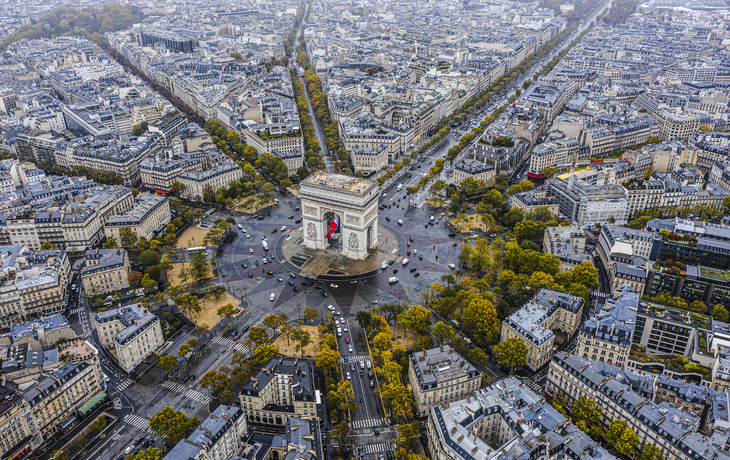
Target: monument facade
x: 324, y: 198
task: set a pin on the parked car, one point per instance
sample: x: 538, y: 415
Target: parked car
x: 272, y: 297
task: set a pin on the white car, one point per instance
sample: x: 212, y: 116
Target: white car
x: 344, y: 328
x: 375, y: 302
x: 348, y: 376
x: 283, y: 229
x: 248, y: 236
x: 333, y: 285
x: 349, y: 348
x: 240, y: 227
x: 250, y: 250
x: 342, y: 320
x: 452, y: 266
x: 331, y: 307
x: 272, y: 297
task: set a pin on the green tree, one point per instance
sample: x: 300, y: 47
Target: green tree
x: 227, y: 311
x: 149, y: 257
x: 110, y: 243
x: 168, y: 363
x: 137, y: 130
x: 148, y: 283
x: 476, y: 356
x: 511, y: 353
x: 586, y: 274
x: 151, y: 453
x: 59, y: 454
x: 443, y: 333
x: 128, y: 238
x: 134, y: 278
x: 264, y: 353
x: 172, y: 425
x: 615, y: 429
x: 199, y: 265
x: 363, y: 318
x: 341, y: 433
x: 416, y: 318
x: 258, y: 335
x: 627, y: 444
x: 480, y: 319
x: 720, y: 313
x: 327, y: 359
x: 400, y: 400
x: 381, y: 342
x: 46, y: 246
x: 99, y: 424
x: 302, y: 338
x: 649, y: 452
x: 310, y: 314
x: 346, y: 397
x: 215, y: 382
x: 80, y: 443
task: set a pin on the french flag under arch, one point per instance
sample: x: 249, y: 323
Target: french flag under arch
x: 335, y: 226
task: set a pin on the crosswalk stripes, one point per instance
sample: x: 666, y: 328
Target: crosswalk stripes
x: 367, y: 423
x: 76, y: 310
x: 85, y: 335
x: 174, y: 386
x: 121, y: 386
x: 376, y: 448
x: 137, y: 422
x: 357, y: 358
x: 600, y: 294
x: 117, y: 403
x: 228, y: 343
x: 198, y: 396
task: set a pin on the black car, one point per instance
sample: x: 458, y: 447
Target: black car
x: 297, y: 208
x: 139, y: 439
x: 388, y: 219
x: 395, y: 270
x: 291, y: 217
x: 244, y: 265
x: 420, y: 257
x: 296, y: 289
x: 256, y: 263
x: 260, y: 218
x: 389, y: 453
x: 452, y: 234
x: 410, y: 239
x: 275, y: 230
x: 305, y: 283
x: 320, y: 282
x: 413, y: 269
x: 410, y: 175
x: 298, y: 221
x: 325, y: 294
x: 250, y: 275
x: 426, y: 226
x: 291, y: 283
x: 416, y: 275
x: 455, y: 244
x: 318, y: 287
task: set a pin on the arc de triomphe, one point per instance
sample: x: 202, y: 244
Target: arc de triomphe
x: 325, y: 196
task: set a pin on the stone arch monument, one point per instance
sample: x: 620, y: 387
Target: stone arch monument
x: 325, y: 196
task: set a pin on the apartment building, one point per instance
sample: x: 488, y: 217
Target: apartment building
x: 218, y: 175
x: 532, y: 200
x: 132, y: 331
x: 567, y: 244
x: 169, y: 126
x: 39, y: 334
x: 109, y: 153
x: 439, y: 376
x: 534, y: 323
x: 158, y: 172
x: 473, y: 169
x: 707, y: 245
x: 506, y: 420
x: 589, y: 204
x: 292, y: 160
x: 676, y: 125
x: 284, y: 388
x: 17, y: 439
x: 369, y: 160
x: 39, y: 145
x: 219, y: 437
x: 607, y: 336
x: 284, y: 137
x: 706, y: 284
x: 105, y: 271
x: 664, y: 330
x: 660, y: 411
x: 551, y: 154
x: 53, y: 401
x: 149, y: 216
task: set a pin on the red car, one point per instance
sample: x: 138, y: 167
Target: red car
x: 347, y: 340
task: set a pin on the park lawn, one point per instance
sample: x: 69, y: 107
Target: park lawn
x: 290, y: 350
x: 209, y: 315
x: 250, y: 209
x: 465, y: 223
x: 174, y: 273
x: 434, y: 202
x: 398, y: 337
x: 192, y: 238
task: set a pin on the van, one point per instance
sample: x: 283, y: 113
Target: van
x: 430, y: 219
x: 400, y: 187
x: 392, y: 279
x: 405, y: 262
x: 400, y: 222
x: 339, y: 332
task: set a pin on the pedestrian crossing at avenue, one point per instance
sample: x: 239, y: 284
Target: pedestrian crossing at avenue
x: 367, y: 423
x: 76, y: 310
x: 137, y: 422
x: 198, y: 396
x: 228, y: 343
x: 357, y: 358
x: 123, y: 384
x: 195, y: 395
x: 376, y: 448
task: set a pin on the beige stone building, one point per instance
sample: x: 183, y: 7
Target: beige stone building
x: 283, y: 388
x: 216, y: 176
x: 534, y: 323
x: 150, y: 216
x: 132, y: 331
x: 474, y: 169
x: 439, y: 376
x: 105, y: 271
x: 567, y: 244
x: 533, y: 200
x: 369, y: 160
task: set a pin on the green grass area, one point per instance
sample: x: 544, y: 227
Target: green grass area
x: 714, y: 274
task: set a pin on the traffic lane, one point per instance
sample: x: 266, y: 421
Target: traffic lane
x: 361, y: 348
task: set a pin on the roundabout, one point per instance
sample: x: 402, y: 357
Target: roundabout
x: 298, y: 276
